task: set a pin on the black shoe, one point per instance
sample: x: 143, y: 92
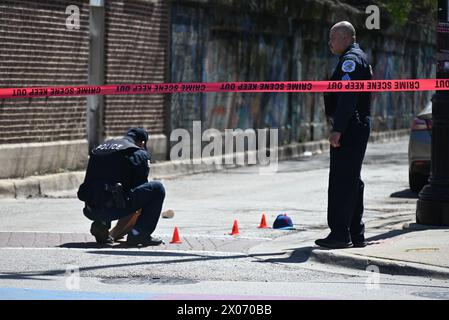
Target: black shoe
x: 333, y: 244
x: 142, y: 240
x: 101, y: 232
x: 361, y: 244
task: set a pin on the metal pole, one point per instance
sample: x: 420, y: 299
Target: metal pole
x: 95, y: 104
x: 433, y: 204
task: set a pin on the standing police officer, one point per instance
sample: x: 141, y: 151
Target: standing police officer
x: 116, y: 185
x: 349, y: 115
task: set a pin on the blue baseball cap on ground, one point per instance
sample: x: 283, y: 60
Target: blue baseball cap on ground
x: 283, y: 222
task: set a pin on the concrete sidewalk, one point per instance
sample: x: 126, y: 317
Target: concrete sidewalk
x: 416, y: 250
x: 413, y: 250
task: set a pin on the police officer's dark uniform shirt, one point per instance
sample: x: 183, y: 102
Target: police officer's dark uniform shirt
x: 342, y: 106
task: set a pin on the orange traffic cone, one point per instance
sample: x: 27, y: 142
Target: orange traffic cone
x: 235, y: 229
x: 176, y: 238
x: 263, y: 222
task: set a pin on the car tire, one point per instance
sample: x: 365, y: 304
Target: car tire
x: 417, y: 181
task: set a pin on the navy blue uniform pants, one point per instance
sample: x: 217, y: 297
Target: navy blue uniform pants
x: 148, y: 196
x: 346, y: 188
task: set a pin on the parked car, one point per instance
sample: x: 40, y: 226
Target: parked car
x: 419, y: 149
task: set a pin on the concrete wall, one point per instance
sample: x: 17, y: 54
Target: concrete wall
x: 20, y: 160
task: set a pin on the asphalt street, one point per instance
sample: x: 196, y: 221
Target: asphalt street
x: 42, y: 240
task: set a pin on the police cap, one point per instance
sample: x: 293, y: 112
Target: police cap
x: 138, y: 135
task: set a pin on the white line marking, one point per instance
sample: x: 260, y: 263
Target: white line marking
x: 159, y: 235
x: 131, y: 250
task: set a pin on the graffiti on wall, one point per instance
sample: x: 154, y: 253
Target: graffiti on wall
x: 398, y: 60
x: 210, y: 45
x: 216, y: 53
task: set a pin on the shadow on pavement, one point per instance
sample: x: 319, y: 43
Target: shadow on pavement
x: 24, y: 276
x: 388, y: 235
x: 412, y: 227
x: 85, y: 245
x: 143, y: 253
x: 95, y: 245
x: 405, y: 194
x: 298, y: 255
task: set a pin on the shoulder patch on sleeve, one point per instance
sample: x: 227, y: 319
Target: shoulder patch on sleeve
x: 346, y: 77
x: 348, y: 66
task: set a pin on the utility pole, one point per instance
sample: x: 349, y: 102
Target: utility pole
x: 95, y: 104
x: 433, y: 203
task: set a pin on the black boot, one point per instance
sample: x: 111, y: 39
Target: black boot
x: 332, y: 243
x: 100, y: 230
x: 142, y: 240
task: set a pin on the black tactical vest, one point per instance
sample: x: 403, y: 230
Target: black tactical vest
x: 108, y: 166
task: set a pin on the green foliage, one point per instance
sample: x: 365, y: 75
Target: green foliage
x: 399, y: 10
x: 410, y: 11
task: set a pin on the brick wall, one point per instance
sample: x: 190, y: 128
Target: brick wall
x: 38, y: 50
x: 137, y: 35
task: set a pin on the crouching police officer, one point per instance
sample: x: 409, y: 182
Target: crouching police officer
x: 349, y: 115
x: 116, y: 185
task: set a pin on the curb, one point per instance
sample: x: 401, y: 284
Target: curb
x: 37, y: 186
x: 381, y: 137
x: 393, y: 267
x: 40, y: 185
